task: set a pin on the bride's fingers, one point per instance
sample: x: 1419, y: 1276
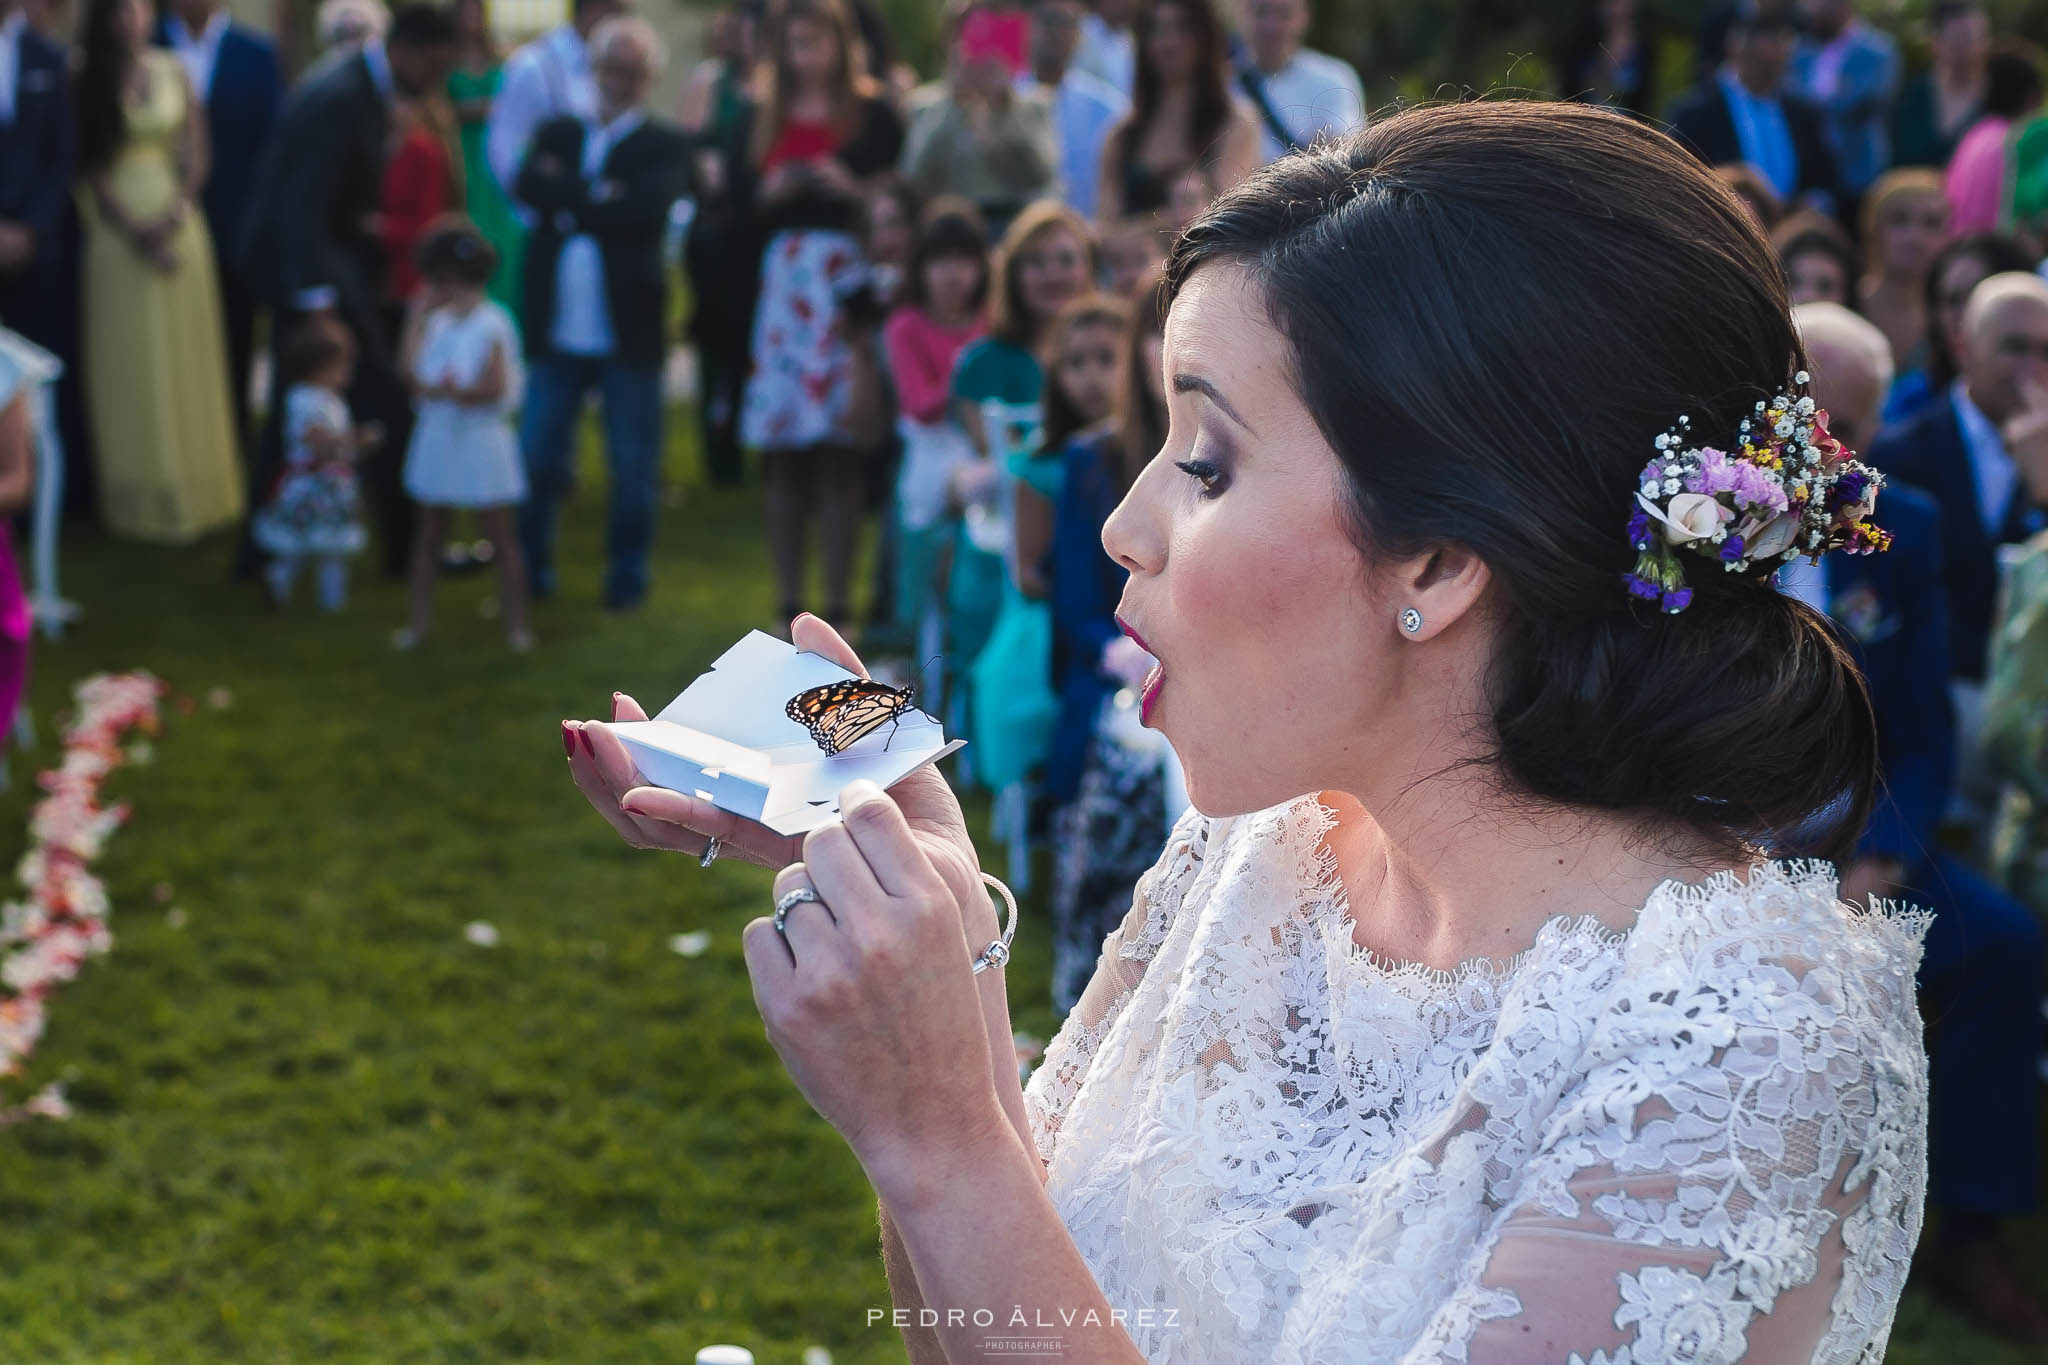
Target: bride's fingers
x: 607, y: 753
x: 625, y: 708
x: 738, y: 835
x: 586, y: 771
x: 814, y: 636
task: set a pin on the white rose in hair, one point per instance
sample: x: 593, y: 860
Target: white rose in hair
x: 1691, y: 516
x: 1775, y: 538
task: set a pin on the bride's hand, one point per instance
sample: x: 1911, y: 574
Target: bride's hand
x: 654, y: 817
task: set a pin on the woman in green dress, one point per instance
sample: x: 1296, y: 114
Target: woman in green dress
x: 472, y: 85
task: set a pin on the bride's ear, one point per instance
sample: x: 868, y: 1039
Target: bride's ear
x: 1441, y: 586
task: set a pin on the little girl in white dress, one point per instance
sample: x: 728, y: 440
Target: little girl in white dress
x: 462, y: 356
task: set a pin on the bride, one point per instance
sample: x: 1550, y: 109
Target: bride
x: 1476, y: 1011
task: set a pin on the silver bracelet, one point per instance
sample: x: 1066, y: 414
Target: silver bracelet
x: 998, y: 950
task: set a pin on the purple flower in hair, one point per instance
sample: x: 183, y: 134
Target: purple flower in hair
x: 1677, y: 600
x: 1731, y: 549
x: 1639, y: 586
x: 1639, y: 529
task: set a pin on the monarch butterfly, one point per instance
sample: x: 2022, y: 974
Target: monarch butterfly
x: 839, y: 713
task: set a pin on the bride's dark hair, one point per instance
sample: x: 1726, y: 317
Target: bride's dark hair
x: 1494, y: 308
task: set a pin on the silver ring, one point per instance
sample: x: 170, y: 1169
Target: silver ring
x: 710, y: 852
x: 792, y: 899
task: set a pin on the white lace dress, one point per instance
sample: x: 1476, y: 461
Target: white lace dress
x: 1701, y: 1140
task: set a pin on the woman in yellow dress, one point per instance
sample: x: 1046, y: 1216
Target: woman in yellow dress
x: 155, y: 368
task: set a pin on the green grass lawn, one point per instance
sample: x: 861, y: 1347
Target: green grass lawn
x: 315, y: 1123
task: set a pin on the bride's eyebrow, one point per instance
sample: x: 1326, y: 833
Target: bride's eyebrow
x: 1194, y: 383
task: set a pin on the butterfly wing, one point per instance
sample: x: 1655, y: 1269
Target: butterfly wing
x: 839, y: 714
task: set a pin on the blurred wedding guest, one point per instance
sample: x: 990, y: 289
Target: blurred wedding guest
x: 1905, y: 225
x: 1610, y: 57
x: 1978, y: 171
x: 1981, y: 975
x: 821, y: 127
x: 1131, y: 250
x: 1044, y: 262
x: 1820, y: 265
x: 422, y: 182
x: 1084, y: 106
x: 17, y: 483
x: 1850, y: 72
x: 345, y: 25
x: 1938, y: 106
x: 1110, y: 802
x: 1108, y: 48
x: 1956, y: 450
x: 461, y: 354
x: 943, y: 313
x: 1182, y: 112
x: 1746, y: 113
x: 473, y: 88
x: 310, y: 245
x: 983, y: 137
x: 312, y: 514
x: 891, y: 206
x: 1755, y: 193
x: 548, y: 78
x: 1298, y: 94
x: 155, y: 359
x: 38, y: 135
x: 234, y: 73
x: 600, y: 189
x: 1957, y: 270
x: 721, y: 254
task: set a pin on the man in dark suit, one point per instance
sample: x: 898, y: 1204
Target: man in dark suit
x: 308, y: 245
x: 1955, y: 449
x: 1981, y: 976
x: 38, y: 271
x: 235, y: 76
x: 1742, y: 113
x: 596, y: 304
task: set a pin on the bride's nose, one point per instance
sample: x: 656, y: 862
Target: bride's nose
x: 1133, y: 534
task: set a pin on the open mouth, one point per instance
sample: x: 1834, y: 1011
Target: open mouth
x: 1154, y: 680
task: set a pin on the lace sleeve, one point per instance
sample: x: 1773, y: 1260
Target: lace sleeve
x: 1737, y: 1176
x: 1125, y: 953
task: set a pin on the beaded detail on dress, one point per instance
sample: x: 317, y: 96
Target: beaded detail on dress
x: 1696, y: 1139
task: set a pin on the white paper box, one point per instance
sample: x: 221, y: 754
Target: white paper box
x: 728, y: 739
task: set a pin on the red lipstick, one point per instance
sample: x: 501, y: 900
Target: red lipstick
x: 1154, y: 680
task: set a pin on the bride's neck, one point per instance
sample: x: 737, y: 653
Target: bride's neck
x: 1447, y: 869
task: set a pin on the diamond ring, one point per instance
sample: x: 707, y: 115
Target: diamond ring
x: 710, y: 852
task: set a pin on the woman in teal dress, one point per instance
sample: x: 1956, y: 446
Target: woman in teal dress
x: 1044, y: 261
x: 472, y: 85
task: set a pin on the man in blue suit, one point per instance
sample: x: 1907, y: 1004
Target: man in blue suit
x: 1981, y: 977
x: 38, y: 279
x: 235, y: 75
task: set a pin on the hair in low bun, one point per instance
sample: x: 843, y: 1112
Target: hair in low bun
x: 1494, y: 309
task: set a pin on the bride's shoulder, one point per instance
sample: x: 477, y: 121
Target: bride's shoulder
x: 1759, y: 935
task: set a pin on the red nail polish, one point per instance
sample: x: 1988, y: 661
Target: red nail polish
x: 568, y: 740
x: 583, y: 738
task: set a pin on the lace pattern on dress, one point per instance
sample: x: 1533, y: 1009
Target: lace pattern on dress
x: 1699, y: 1139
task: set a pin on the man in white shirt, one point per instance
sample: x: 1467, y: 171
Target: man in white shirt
x: 548, y: 77
x: 1305, y: 93
x: 600, y: 187
x: 1108, y: 48
x: 1084, y: 106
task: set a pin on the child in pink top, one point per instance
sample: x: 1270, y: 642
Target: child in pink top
x: 948, y: 281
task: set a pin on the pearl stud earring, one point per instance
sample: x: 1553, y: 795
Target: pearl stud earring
x: 1411, y: 620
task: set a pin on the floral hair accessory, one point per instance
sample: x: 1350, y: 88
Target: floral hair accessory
x: 1788, y: 489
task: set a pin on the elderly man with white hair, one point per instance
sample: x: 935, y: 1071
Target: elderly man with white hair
x: 1957, y: 448
x: 1981, y: 975
x: 600, y: 187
